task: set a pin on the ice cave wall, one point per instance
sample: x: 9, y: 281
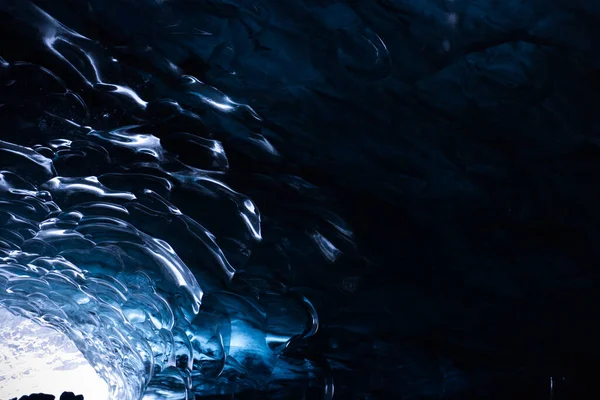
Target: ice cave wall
x: 463, y: 132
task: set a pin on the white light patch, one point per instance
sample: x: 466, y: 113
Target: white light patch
x: 36, y: 359
x: 250, y: 206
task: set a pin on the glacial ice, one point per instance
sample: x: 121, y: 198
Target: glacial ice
x: 123, y: 245
x: 459, y: 138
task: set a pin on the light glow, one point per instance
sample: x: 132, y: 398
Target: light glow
x: 37, y: 359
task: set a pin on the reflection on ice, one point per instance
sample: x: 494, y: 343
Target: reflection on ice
x: 123, y: 235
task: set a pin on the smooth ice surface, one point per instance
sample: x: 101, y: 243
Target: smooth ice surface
x: 120, y: 227
x: 38, y: 359
x: 422, y: 173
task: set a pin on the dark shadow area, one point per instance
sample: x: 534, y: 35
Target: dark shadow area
x: 41, y: 396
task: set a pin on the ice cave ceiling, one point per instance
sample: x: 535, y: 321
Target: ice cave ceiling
x: 425, y: 170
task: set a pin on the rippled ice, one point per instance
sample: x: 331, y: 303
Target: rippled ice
x: 118, y: 233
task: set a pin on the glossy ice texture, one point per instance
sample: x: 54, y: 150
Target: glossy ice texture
x: 119, y: 232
